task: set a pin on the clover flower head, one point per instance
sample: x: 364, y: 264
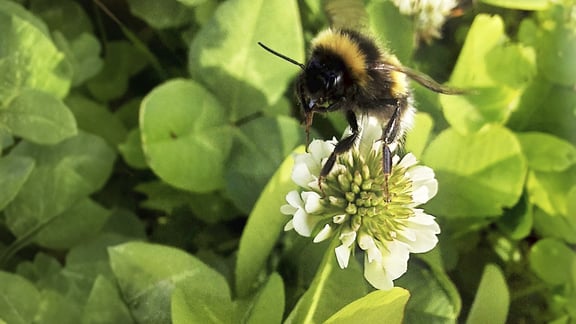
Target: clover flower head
x: 352, y: 205
x: 430, y: 15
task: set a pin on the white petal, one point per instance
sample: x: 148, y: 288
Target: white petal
x: 370, y: 132
x: 376, y: 275
x: 343, y: 255
x: 294, y: 199
x: 407, y: 161
x: 420, y: 232
x: 289, y: 226
x: 395, y: 258
x: 304, y: 223
x: 325, y: 233
x: 366, y: 243
x: 312, y: 201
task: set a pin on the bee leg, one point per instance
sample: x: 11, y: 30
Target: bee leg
x: 342, y: 146
x: 389, y: 135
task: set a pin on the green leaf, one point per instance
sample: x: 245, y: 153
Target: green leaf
x: 225, y: 54
x: 97, y: 119
x: 65, y: 16
x: 38, y: 117
x: 77, y: 224
x: 492, y: 298
x: 550, y: 251
x: 376, y: 307
x: 148, y: 275
x: 19, y: 299
x: 549, y: 190
x: 434, y: 298
x: 161, y: 15
x: 557, y: 43
x: 478, y: 174
x: 418, y: 137
x: 331, y: 289
x: 105, y: 305
x: 254, y: 158
x: 131, y: 150
x: 185, y: 136
x: 493, y: 70
x: 396, y: 30
x: 83, y: 52
x: 263, y: 227
x: 268, y: 305
x: 122, y: 60
x: 556, y: 226
x: 519, y: 4
x: 29, y: 58
x: 517, y: 222
x: 64, y: 174
x: 545, y: 152
x: 56, y: 308
x: 14, y: 170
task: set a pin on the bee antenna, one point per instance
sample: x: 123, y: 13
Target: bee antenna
x: 281, y: 55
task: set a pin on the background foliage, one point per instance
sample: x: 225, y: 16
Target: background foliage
x: 145, y: 151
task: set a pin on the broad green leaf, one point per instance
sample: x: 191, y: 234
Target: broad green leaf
x: 77, y: 224
x: 545, y: 152
x: 556, y: 226
x: 28, y: 57
x: 549, y: 190
x: 19, y: 299
x: 550, y: 251
x: 122, y: 60
x: 15, y: 9
x: 225, y: 54
x: 105, y: 305
x: 64, y: 174
x: 493, y: 71
x: 161, y: 15
x: 331, y: 289
x: 433, y: 297
x: 148, y: 275
x: 191, y: 3
x: 57, y: 308
x: 14, y: 170
x: 125, y: 222
x: 38, y: 117
x: 254, y: 158
x: 394, y: 29
x: 517, y: 222
x: 478, y: 174
x: 376, y: 307
x: 268, y: 305
x: 519, y: 4
x: 557, y: 44
x: 44, y: 271
x: 83, y: 52
x: 97, y: 119
x: 131, y: 150
x: 263, y: 228
x: 65, y: 16
x: 492, y: 298
x: 418, y: 137
x: 185, y: 136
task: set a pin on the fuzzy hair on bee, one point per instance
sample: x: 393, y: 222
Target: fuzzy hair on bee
x: 347, y: 71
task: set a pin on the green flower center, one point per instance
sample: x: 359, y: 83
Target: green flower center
x: 358, y: 189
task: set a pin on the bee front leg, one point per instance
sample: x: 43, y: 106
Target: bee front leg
x: 342, y: 146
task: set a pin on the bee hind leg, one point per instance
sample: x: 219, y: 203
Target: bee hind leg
x: 389, y: 136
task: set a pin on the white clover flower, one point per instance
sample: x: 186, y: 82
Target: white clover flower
x: 430, y: 15
x: 352, y: 206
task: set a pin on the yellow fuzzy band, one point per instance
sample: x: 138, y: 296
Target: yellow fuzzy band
x: 346, y: 48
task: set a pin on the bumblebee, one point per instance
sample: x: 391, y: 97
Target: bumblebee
x: 348, y: 71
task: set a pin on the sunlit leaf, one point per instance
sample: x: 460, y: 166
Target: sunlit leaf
x: 492, y: 298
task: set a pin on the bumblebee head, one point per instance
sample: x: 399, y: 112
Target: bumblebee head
x: 323, y: 82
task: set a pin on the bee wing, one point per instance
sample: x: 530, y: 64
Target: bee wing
x: 421, y: 78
